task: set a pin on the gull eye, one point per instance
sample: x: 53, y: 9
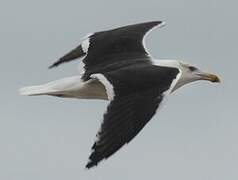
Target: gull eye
x: 192, y: 68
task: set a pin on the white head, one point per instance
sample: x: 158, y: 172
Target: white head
x: 188, y: 73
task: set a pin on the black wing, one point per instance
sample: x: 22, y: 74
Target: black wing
x: 107, y: 46
x: 72, y: 55
x: 138, y: 94
x: 124, y: 119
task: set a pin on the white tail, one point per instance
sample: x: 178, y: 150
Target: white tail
x: 71, y: 87
x: 53, y: 88
x: 34, y: 90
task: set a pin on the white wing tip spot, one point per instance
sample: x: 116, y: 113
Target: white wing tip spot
x: 85, y: 45
x: 86, y: 42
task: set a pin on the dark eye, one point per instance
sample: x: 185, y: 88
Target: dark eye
x: 192, y: 68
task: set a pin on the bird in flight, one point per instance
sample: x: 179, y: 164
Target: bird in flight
x: 118, y: 68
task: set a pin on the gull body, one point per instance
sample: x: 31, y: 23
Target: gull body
x: 118, y: 68
x: 75, y: 87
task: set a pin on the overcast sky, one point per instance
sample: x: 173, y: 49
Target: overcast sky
x: 45, y: 138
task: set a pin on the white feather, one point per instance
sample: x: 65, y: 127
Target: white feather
x: 148, y: 32
x: 54, y: 87
x: 71, y: 87
x: 108, y: 86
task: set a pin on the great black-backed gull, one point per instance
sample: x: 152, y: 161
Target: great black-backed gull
x: 118, y: 68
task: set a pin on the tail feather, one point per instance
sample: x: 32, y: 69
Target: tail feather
x: 71, y: 87
x: 62, y: 87
x: 35, y: 90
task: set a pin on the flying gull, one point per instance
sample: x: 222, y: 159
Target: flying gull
x: 118, y: 68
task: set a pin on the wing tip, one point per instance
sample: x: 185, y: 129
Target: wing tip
x: 90, y: 164
x: 76, y: 53
x: 53, y: 65
x: 162, y: 24
x: 157, y: 23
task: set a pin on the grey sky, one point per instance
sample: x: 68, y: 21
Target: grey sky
x: 193, y: 137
